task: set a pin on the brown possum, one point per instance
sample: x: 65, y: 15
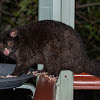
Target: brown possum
x: 54, y: 44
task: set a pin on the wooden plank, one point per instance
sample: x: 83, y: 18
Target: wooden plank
x: 86, y: 82
x: 46, y: 89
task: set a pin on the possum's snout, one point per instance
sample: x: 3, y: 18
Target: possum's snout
x: 6, y: 51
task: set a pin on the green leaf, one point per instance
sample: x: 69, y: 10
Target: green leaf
x: 97, y: 37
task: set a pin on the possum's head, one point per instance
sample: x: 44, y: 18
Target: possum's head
x: 8, y: 43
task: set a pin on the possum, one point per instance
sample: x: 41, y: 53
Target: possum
x: 52, y: 43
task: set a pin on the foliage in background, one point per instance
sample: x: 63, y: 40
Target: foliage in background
x: 17, y: 12
x: 88, y: 25
x: 87, y: 21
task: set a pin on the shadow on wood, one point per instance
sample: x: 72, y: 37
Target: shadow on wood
x: 46, y: 89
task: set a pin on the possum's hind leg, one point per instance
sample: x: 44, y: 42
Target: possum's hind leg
x: 51, y: 58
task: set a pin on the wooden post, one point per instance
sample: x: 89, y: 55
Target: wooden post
x: 68, y: 11
x: 63, y: 11
x: 45, y: 10
x: 57, y: 4
x: 65, y: 86
x: 59, y: 10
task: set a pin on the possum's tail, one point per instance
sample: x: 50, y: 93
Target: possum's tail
x: 93, y: 68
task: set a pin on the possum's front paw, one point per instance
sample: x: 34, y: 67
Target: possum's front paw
x: 36, y: 73
x: 46, y: 75
x: 9, y: 76
x: 51, y: 77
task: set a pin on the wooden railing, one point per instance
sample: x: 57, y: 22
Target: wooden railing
x: 63, y: 89
x: 86, y: 81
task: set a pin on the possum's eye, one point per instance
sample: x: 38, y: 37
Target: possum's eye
x: 1, y: 45
x: 10, y: 43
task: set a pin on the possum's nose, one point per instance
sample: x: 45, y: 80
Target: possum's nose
x: 6, y: 51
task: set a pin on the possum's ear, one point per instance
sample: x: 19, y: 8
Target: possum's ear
x: 14, y: 33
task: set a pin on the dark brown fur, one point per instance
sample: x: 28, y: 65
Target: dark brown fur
x: 51, y: 43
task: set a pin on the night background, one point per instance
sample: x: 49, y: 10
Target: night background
x: 87, y: 23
